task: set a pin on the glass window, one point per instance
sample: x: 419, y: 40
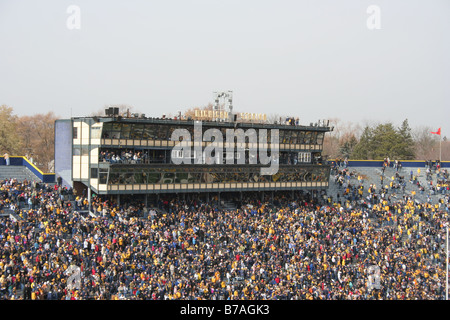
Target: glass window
x: 293, y: 138
x: 107, y: 127
x: 113, y: 178
x: 307, y: 138
x: 102, y: 175
x: 320, y: 137
x: 140, y: 177
x: 94, y: 173
x: 304, y: 157
x: 115, y: 131
x: 162, y: 132
x: 281, y: 136
x: 136, y: 131
x: 301, y: 137
x: 126, y: 130
x: 313, y: 137
x: 150, y: 132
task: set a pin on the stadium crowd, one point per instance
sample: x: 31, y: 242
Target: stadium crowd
x: 291, y: 248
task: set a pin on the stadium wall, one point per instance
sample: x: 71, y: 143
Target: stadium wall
x: 22, y: 161
x: 63, y: 151
x: 379, y: 163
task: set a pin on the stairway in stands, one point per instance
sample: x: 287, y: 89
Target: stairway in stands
x: 17, y: 172
x: 372, y: 176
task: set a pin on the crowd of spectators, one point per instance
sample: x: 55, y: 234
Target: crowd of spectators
x: 123, y: 156
x: 130, y: 156
x: 299, y: 247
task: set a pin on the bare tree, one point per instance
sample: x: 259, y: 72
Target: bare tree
x: 343, y: 134
x: 38, y: 138
x: 10, y: 141
x: 275, y: 117
x: 426, y: 144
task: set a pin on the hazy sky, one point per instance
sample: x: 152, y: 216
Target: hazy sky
x: 313, y: 59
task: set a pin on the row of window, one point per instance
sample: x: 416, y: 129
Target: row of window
x: 152, y: 156
x: 140, y: 131
x: 237, y: 157
x: 210, y: 175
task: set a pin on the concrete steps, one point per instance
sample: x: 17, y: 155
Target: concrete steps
x: 17, y: 172
x: 372, y: 175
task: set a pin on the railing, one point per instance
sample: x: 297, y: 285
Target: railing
x: 22, y: 161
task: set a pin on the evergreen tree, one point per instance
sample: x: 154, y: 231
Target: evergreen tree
x: 384, y: 140
x: 363, y: 150
x: 406, y: 144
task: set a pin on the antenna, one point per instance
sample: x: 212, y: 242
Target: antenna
x: 228, y: 99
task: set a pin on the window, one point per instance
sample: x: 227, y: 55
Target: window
x: 301, y: 137
x: 320, y: 137
x: 75, y: 132
x: 126, y: 129
x: 94, y: 173
x: 136, y: 132
x: 115, y: 132
x: 307, y: 138
x: 162, y: 132
x: 150, y: 132
x: 304, y: 156
x: 103, y: 175
x: 177, y: 154
x: 293, y: 138
x: 313, y: 138
x: 281, y: 136
x: 107, y: 126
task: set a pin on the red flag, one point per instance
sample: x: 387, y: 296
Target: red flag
x: 437, y: 132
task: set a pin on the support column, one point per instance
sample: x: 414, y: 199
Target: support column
x: 89, y: 199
